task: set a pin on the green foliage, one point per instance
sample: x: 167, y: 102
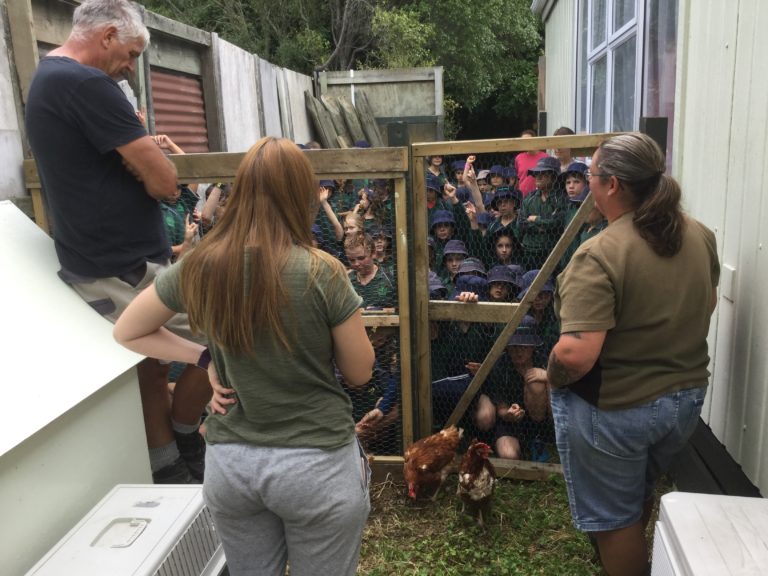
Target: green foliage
x: 488, y: 48
x: 401, y: 39
x: 304, y: 51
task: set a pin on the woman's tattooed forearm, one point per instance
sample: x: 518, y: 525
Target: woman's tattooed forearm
x: 557, y: 374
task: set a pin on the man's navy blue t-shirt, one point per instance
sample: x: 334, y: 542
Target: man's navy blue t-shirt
x: 104, y: 222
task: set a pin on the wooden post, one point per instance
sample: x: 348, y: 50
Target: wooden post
x: 24, y: 42
x: 421, y: 297
x: 403, y: 296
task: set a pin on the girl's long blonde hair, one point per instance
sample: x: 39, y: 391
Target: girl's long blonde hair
x: 270, y: 209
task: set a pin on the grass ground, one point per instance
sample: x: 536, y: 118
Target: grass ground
x: 530, y: 532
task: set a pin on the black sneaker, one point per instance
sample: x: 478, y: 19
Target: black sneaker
x: 192, y: 450
x: 176, y: 473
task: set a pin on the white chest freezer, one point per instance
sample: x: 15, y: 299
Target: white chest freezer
x: 708, y: 535
x: 140, y: 530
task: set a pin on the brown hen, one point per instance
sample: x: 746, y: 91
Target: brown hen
x: 428, y: 461
x: 477, y: 480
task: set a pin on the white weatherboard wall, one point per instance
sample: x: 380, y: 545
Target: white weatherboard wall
x: 73, y: 425
x: 560, y: 50
x: 721, y: 158
x: 269, y: 97
x: 295, y: 86
x: 11, y: 179
x: 240, y: 96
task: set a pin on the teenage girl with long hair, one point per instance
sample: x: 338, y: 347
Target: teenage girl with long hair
x: 285, y: 480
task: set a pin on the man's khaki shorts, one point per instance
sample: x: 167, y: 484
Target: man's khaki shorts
x: 110, y: 296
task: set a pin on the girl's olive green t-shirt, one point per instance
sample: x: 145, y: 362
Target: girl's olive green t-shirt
x: 285, y: 398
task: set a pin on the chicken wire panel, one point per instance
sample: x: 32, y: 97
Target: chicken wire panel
x: 356, y: 224
x: 492, y: 245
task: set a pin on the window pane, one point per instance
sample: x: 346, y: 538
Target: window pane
x: 661, y: 58
x: 599, y: 85
x: 598, y: 22
x: 583, y: 68
x: 624, y: 59
x: 623, y: 12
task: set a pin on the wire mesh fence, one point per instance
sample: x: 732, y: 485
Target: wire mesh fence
x: 491, y: 229
x: 356, y: 223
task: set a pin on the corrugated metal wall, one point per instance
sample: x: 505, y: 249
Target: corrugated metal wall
x: 179, y: 109
x: 721, y: 157
x: 560, y: 50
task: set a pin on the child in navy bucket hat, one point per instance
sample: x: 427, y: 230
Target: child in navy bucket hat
x: 453, y: 254
x: 502, y: 284
x: 577, y: 189
x: 516, y: 406
x: 543, y: 311
x: 542, y: 214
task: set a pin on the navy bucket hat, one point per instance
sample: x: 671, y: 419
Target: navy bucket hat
x: 441, y: 217
x: 502, y: 273
x: 546, y: 164
x: 433, y: 182
x: 455, y: 247
x: 497, y: 169
x: 528, y: 278
x: 472, y: 265
x: 525, y: 334
x: 437, y: 290
x: 506, y: 192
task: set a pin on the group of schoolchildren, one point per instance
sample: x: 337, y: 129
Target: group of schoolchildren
x: 488, y: 239
x: 490, y: 231
x: 355, y: 224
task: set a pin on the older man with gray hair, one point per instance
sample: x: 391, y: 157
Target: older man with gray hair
x: 102, y: 178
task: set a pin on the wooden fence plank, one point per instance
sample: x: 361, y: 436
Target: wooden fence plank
x: 385, y: 468
x: 493, y: 312
x: 321, y: 120
x: 580, y: 144
x: 351, y: 119
x: 24, y: 42
x: 333, y: 107
x: 368, y: 120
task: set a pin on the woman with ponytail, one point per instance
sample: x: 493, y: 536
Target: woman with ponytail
x: 285, y: 478
x: 629, y: 374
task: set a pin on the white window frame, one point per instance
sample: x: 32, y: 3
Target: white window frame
x: 634, y: 27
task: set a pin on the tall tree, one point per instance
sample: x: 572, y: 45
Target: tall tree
x: 488, y: 48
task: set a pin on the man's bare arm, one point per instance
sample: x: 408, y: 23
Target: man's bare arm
x: 147, y: 162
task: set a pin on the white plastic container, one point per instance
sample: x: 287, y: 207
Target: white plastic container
x: 708, y: 535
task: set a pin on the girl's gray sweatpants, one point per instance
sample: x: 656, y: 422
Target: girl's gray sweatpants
x: 304, y: 506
